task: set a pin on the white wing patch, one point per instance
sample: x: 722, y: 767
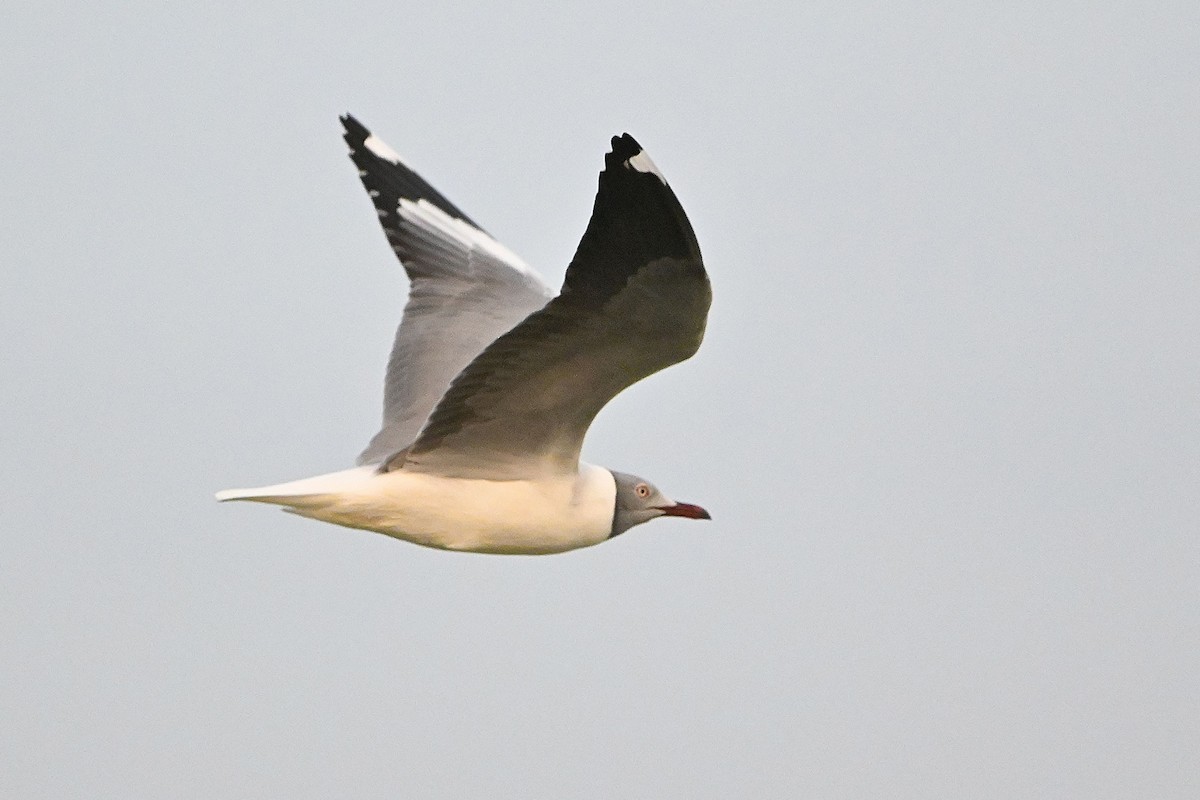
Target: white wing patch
x: 380, y: 148
x: 429, y: 216
x: 642, y: 163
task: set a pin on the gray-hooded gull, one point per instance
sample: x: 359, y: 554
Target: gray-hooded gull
x: 493, y: 380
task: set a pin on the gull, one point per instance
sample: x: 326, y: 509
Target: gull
x: 493, y: 380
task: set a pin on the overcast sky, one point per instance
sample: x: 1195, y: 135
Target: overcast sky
x: 946, y: 418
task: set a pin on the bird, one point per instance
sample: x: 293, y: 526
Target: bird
x: 493, y: 379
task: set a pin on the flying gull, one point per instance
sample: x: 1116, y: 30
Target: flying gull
x: 493, y: 380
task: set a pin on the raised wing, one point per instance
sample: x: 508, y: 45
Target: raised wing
x: 634, y: 301
x: 466, y: 289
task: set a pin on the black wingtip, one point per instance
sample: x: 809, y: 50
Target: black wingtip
x: 356, y: 132
x: 629, y: 156
x: 624, y: 147
x: 386, y: 178
x: 636, y: 220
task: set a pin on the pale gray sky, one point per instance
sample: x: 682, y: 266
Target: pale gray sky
x: 947, y: 417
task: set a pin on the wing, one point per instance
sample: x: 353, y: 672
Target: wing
x: 466, y: 289
x: 634, y: 301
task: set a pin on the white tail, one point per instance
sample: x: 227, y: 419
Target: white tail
x: 288, y: 493
x: 236, y: 494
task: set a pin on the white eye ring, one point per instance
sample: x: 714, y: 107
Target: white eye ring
x: 642, y: 490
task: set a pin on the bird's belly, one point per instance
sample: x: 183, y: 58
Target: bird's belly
x: 545, y: 516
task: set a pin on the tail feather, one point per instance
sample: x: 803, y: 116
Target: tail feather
x: 235, y: 494
x: 264, y: 495
x: 290, y: 493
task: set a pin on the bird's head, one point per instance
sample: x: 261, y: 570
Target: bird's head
x: 640, y: 501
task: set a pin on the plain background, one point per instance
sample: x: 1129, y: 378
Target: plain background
x: 947, y: 417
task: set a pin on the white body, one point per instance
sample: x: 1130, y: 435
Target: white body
x: 547, y: 515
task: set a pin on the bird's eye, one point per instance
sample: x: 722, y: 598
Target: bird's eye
x: 642, y: 490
